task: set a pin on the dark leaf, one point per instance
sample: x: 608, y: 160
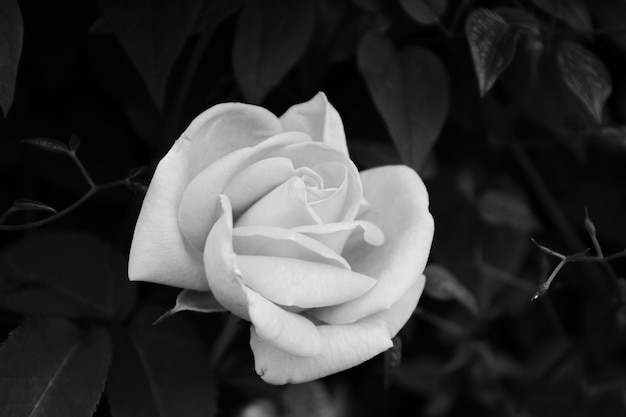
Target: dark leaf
x: 74, y: 143
x: 49, y: 368
x: 198, y: 301
x: 270, y: 38
x: 525, y: 25
x: 574, y: 12
x: 393, y: 358
x: 11, y: 33
x: 442, y: 285
x: 426, y: 12
x: 66, y: 274
x: 421, y: 376
x: 611, y: 15
x: 506, y: 208
x: 311, y: 399
x: 492, y: 44
x: 47, y: 144
x: 215, y: 11
x: 410, y: 89
x: 152, y: 33
x: 25, y: 204
x: 369, y: 5
x: 162, y: 371
x: 586, y: 76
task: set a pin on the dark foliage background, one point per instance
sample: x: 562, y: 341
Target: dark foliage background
x: 514, y: 113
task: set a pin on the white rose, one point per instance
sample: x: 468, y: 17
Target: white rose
x: 270, y: 216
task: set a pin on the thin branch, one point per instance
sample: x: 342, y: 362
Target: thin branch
x: 71, y: 207
x: 83, y: 171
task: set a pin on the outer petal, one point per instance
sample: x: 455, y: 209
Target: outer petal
x: 294, y: 282
x: 343, y: 346
x: 225, y: 128
x: 399, y: 205
x: 159, y: 252
x: 396, y: 317
x: 319, y: 119
x: 285, y: 243
x: 224, y: 277
x: 286, y: 331
x: 199, y: 206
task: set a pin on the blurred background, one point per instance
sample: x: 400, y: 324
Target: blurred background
x: 513, y: 113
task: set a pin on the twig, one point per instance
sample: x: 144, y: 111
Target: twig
x: 577, y: 257
x: 93, y: 189
x: 71, y: 207
x: 557, y: 218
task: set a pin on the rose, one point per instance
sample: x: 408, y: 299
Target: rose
x: 271, y: 217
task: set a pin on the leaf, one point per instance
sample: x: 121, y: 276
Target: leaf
x: 507, y: 208
x: 492, y: 44
x: 67, y: 274
x: 161, y: 371
x: 47, y: 144
x: 191, y: 300
x: 574, y: 12
x: 49, y: 368
x: 25, y: 204
x: 393, y: 359
x: 426, y: 12
x: 586, y: 76
x: 153, y: 34
x: 410, y: 89
x: 271, y: 36
x: 11, y: 34
x: 442, y: 285
x: 74, y: 143
x: 610, y: 15
x: 215, y: 11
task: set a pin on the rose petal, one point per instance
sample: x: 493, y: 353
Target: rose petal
x: 159, y: 252
x: 221, y: 266
x: 399, y: 205
x: 400, y: 312
x: 285, y: 206
x: 256, y: 180
x: 199, y: 204
x: 311, y: 154
x: 335, y: 235
x: 288, y: 332
x: 319, y: 119
x: 285, y: 243
x: 289, y: 282
x: 342, y: 347
x: 225, y: 128
x: 329, y: 208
